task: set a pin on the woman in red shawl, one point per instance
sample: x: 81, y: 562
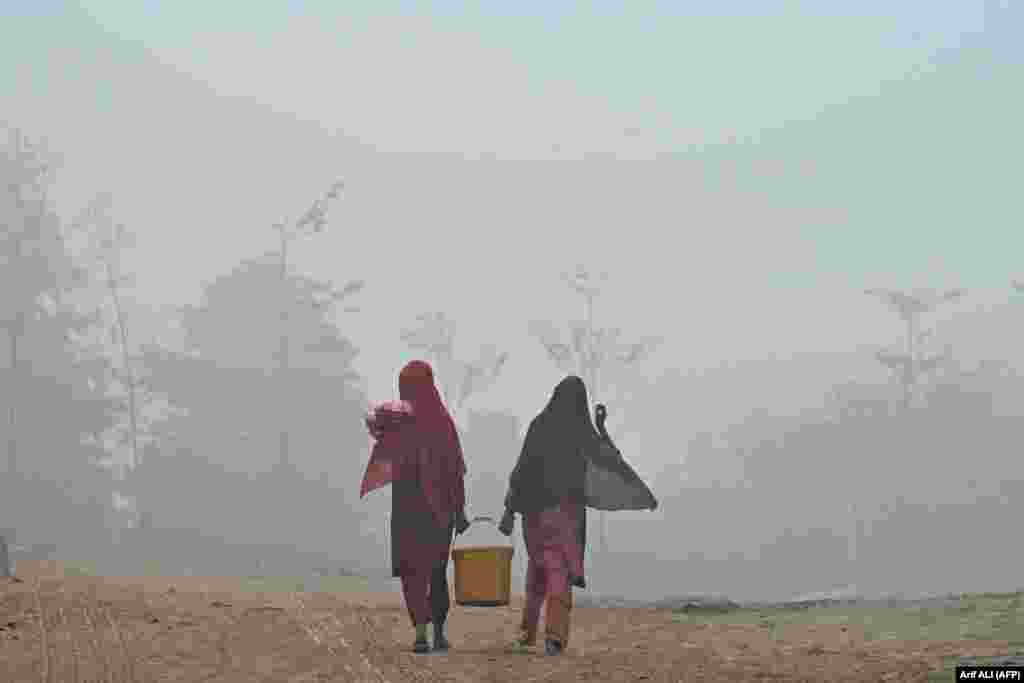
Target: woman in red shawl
x: 565, y: 467
x: 423, y: 460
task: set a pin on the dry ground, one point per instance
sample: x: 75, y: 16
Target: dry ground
x: 62, y: 628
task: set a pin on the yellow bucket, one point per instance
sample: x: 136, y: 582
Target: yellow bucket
x: 483, y: 575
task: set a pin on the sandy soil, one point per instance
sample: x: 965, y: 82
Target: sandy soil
x: 72, y: 629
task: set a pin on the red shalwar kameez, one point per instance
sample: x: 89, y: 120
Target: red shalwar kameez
x: 423, y: 461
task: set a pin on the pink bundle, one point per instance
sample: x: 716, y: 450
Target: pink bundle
x: 388, y: 417
x: 385, y: 420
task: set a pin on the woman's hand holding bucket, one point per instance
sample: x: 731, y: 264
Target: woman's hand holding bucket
x: 508, y: 522
x: 461, y: 523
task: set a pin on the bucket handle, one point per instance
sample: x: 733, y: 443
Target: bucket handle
x: 482, y: 518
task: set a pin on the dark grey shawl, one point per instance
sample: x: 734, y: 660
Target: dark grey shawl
x: 564, y: 456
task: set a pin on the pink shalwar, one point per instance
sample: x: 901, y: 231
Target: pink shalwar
x: 555, y: 558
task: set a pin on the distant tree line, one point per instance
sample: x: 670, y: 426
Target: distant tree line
x: 245, y: 423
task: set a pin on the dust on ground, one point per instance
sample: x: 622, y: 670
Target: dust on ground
x: 62, y: 628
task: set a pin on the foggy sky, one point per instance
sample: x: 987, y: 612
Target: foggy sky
x: 742, y: 176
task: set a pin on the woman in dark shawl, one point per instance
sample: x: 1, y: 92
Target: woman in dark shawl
x: 565, y: 467
x: 423, y: 460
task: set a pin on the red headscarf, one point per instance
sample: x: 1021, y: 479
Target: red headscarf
x: 431, y: 442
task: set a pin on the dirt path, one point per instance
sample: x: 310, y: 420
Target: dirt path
x: 194, y: 629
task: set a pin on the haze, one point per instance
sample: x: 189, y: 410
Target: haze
x: 742, y: 172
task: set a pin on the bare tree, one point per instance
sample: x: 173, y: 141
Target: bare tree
x: 910, y: 365
x: 313, y: 221
x: 433, y: 335
x: 599, y: 355
x: 30, y: 234
x: 106, y: 241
